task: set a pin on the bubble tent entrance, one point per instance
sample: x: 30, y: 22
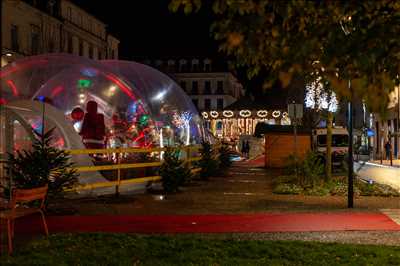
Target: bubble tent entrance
x: 140, y: 106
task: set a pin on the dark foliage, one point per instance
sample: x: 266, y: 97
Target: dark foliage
x: 209, y: 164
x: 224, y: 157
x: 174, y: 172
x: 41, y: 165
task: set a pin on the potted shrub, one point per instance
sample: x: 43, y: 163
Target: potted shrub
x: 173, y: 171
x: 224, y: 157
x: 208, y: 163
x: 40, y: 166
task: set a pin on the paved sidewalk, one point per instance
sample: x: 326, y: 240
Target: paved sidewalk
x: 395, y: 162
x: 240, y: 223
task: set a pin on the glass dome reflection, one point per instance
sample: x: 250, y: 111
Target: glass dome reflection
x: 140, y: 106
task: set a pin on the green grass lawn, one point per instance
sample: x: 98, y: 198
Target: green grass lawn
x: 125, y: 249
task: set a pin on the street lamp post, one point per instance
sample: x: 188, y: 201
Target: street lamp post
x: 398, y: 119
x: 350, y: 192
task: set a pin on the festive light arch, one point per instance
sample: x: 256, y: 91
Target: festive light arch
x: 276, y: 114
x: 262, y: 113
x: 245, y: 113
x: 214, y: 114
x: 227, y: 113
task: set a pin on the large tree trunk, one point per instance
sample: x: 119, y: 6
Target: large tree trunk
x: 329, y: 146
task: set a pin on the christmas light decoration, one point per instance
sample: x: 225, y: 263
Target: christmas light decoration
x: 318, y: 98
x: 214, y: 114
x: 276, y: 114
x: 205, y: 115
x: 77, y: 114
x: 245, y: 113
x: 84, y: 83
x: 285, y: 119
x: 227, y: 113
x: 143, y: 120
x: 262, y: 113
x: 182, y: 121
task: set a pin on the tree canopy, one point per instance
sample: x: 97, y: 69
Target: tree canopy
x: 349, y: 40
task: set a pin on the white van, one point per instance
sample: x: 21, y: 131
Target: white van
x: 340, y: 141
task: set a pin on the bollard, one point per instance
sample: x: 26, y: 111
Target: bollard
x: 391, y: 158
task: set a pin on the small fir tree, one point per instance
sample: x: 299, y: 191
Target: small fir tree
x: 41, y: 165
x: 208, y: 163
x: 224, y: 157
x: 174, y: 172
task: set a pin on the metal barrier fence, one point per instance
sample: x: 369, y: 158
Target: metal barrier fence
x: 191, y: 154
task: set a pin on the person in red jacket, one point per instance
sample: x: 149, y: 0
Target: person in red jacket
x: 93, y: 128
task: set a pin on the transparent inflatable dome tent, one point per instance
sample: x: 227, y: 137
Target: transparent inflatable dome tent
x: 141, y: 106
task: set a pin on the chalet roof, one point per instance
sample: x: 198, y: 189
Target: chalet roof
x: 264, y: 128
x: 274, y: 100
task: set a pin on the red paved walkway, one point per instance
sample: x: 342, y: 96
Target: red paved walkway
x: 270, y: 222
x: 255, y: 162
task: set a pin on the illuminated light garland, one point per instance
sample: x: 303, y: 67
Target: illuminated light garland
x: 262, y: 113
x: 205, y: 115
x: 276, y: 114
x: 245, y: 113
x: 214, y: 114
x: 317, y: 97
x: 183, y: 121
x: 227, y: 113
x: 285, y: 119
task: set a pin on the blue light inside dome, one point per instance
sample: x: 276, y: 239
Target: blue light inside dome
x: 89, y: 72
x: 41, y: 98
x: 132, y: 110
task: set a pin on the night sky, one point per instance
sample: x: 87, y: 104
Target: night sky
x: 148, y: 28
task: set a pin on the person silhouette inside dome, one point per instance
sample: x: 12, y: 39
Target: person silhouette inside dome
x: 93, y: 127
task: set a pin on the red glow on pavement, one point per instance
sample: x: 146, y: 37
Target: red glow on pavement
x: 14, y: 89
x: 240, y: 223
